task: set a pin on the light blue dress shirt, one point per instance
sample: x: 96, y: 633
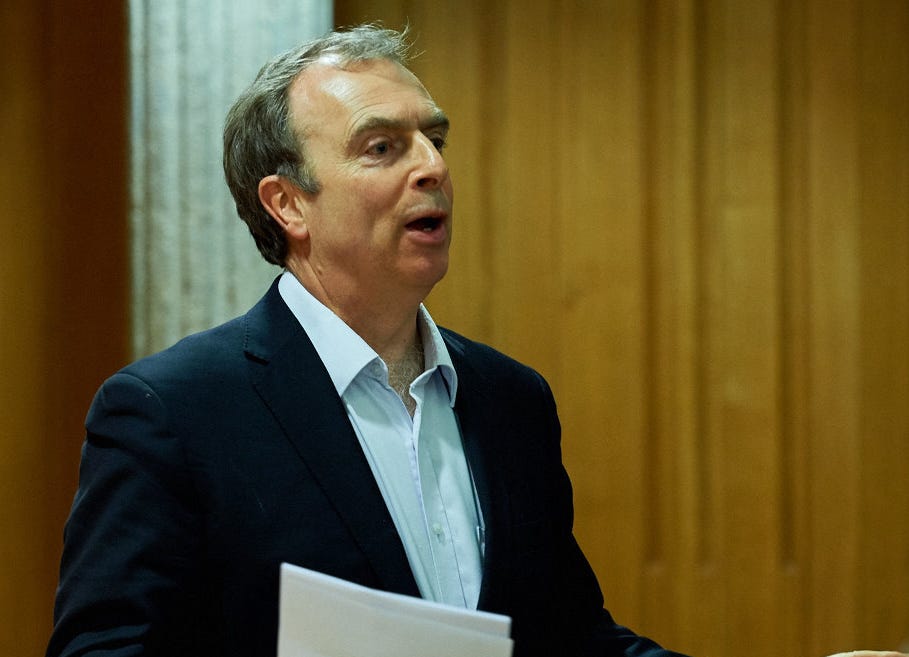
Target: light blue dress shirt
x: 418, y: 461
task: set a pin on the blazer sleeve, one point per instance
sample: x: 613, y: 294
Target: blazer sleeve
x: 129, y: 542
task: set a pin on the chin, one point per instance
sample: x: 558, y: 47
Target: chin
x: 426, y: 277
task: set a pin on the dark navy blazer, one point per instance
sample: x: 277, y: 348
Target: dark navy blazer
x: 207, y: 465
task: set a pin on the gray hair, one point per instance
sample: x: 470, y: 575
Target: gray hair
x: 259, y: 139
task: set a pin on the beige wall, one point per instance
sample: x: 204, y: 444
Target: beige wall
x: 62, y: 278
x: 693, y: 217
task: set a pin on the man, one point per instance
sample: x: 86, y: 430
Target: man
x: 334, y: 426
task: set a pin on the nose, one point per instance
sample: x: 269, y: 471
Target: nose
x: 430, y: 169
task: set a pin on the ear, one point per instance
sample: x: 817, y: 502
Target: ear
x: 284, y: 202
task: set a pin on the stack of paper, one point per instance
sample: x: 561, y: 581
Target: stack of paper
x: 322, y: 616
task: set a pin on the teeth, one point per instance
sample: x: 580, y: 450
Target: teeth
x: 426, y: 224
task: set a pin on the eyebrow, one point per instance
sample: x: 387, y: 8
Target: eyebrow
x: 436, y: 119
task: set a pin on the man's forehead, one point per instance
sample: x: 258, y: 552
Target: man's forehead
x: 331, y: 76
x: 370, y: 90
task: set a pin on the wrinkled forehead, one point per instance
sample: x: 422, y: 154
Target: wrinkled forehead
x: 331, y: 86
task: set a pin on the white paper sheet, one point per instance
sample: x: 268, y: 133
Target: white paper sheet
x: 322, y: 616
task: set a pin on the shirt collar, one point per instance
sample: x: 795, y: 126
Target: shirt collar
x: 435, y: 353
x: 344, y: 353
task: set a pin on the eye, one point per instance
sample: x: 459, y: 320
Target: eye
x: 379, y: 148
x: 438, y: 142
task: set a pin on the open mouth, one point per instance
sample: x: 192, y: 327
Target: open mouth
x: 425, y: 224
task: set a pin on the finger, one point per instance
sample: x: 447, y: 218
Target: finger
x: 870, y: 653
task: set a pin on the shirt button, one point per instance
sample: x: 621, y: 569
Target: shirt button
x: 437, y: 529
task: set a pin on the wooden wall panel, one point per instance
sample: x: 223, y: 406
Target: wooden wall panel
x: 23, y: 386
x: 883, y: 357
x: 692, y: 217
x: 595, y: 189
x: 832, y: 208
x: 63, y: 322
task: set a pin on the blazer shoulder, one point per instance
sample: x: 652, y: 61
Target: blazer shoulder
x: 222, y: 349
x: 204, y: 352
x: 477, y: 358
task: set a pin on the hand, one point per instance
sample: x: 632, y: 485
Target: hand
x: 870, y: 653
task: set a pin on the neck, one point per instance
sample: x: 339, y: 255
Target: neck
x: 387, y: 323
x: 402, y: 372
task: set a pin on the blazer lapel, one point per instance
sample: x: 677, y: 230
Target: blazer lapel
x: 292, y: 381
x: 472, y: 408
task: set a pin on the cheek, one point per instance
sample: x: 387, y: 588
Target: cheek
x: 359, y: 195
x: 355, y: 210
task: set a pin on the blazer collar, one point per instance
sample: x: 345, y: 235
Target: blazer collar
x: 472, y: 409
